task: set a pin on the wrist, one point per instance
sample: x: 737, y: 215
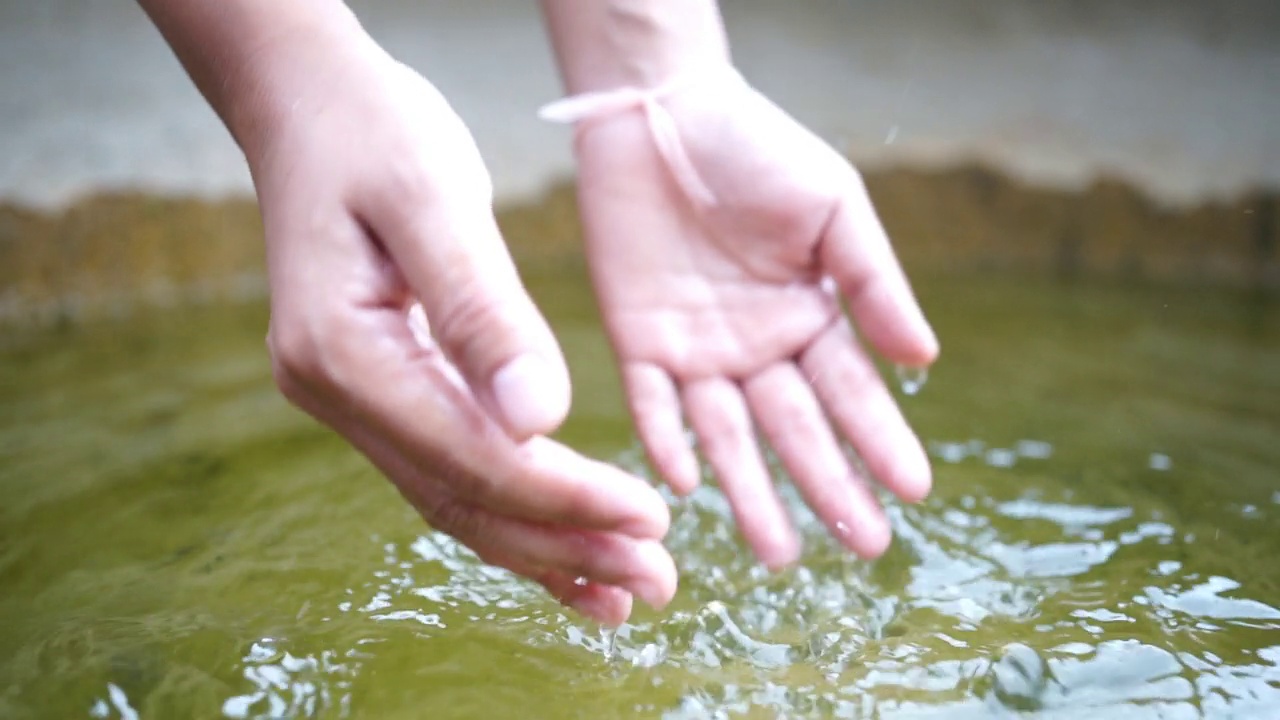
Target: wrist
x: 291, y: 76
x: 607, y: 44
x: 251, y: 60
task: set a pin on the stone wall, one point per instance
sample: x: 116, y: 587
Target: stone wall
x: 112, y: 253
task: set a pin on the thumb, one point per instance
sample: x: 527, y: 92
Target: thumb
x: 447, y: 245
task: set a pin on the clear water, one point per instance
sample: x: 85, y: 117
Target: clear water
x: 175, y: 542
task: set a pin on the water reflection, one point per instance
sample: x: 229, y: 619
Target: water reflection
x: 991, y: 601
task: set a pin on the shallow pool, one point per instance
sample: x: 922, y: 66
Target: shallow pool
x: 176, y: 542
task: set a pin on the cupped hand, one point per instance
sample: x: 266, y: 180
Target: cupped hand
x: 398, y: 319
x: 721, y: 291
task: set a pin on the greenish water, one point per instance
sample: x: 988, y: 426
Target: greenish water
x: 175, y: 542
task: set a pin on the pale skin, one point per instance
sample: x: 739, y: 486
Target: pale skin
x: 374, y: 198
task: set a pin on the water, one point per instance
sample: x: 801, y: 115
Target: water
x: 176, y: 542
x: 911, y: 380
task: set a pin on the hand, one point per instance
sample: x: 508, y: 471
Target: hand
x: 727, y: 307
x: 375, y: 199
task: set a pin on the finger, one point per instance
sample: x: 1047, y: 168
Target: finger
x: 551, y: 483
x: 856, y: 398
x: 719, y: 417
x: 382, y: 383
x: 444, y: 239
x: 642, y: 567
x: 354, y: 355
x: 655, y: 408
x: 790, y: 417
x: 408, y: 395
x: 856, y: 252
x: 603, y: 603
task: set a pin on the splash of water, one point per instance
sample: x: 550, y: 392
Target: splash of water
x: 989, y: 603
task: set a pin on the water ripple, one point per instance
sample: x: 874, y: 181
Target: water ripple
x: 989, y: 602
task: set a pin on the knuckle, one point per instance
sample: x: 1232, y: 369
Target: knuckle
x: 585, y: 555
x: 307, y: 354
x: 718, y: 434
x: 861, y: 374
x: 293, y: 358
x: 793, y: 415
x: 408, y: 181
x: 478, y: 488
x: 578, y: 500
x: 455, y: 519
x: 467, y: 318
x: 413, y: 176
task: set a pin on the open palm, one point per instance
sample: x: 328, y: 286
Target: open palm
x: 721, y: 292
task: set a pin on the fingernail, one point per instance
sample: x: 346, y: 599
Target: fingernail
x: 526, y: 390
x: 783, y: 548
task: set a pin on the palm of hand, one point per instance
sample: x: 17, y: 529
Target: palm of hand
x: 724, y: 313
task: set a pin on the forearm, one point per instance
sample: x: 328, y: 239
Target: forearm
x: 230, y: 48
x: 605, y: 44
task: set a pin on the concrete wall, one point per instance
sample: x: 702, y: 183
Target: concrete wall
x: 1180, y: 97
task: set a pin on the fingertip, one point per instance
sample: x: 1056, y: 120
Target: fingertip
x: 656, y: 579
x: 650, y: 521
x: 682, y: 474
x: 606, y: 604
x: 532, y: 395
x: 912, y: 479
x: 655, y: 408
x: 927, y: 347
x: 876, y: 549
x: 901, y: 336
x: 871, y: 540
x: 780, y: 550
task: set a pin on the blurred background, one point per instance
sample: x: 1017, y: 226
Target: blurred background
x: 986, y: 113
x: 1085, y: 195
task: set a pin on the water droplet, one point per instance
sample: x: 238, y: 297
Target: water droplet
x: 842, y: 528
x: 911, y: 379
x: 580, y: 581
x: 1159, y: 461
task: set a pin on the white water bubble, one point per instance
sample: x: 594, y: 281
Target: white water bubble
x: 911, y: 379
x: 1034, y: 449
x: 952, y: 452
x: 1159, y: 461
x: 1000, y: 457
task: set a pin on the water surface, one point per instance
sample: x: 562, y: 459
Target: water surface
x: 176, y: 542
